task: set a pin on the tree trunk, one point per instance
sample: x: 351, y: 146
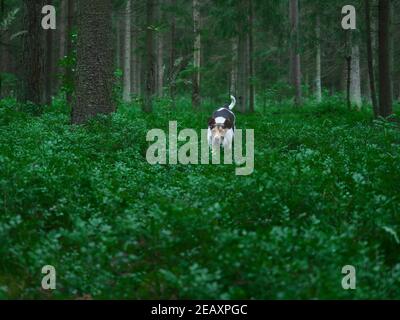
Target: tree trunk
x: 32, y: 54
x: 2, y: 55
x: 355, y: 88
x: 118, y: 62
x: 251, y: 58
x: 49, y: 66
x: 48, y: 37
x: 160, y: 55
x: 127, y: 54
x: 196, y: 98
x: 63, y: 29
x: 295, y: 53
x: 94, y: 61
x: 243, y: 88
x: 370, y: 58
x: 135, y: 53
x: 69, y: 51
x: 318, y: 84
x: 172, y: 57
x: 385, y: 86
x: 150, y: 72
x: 234, y: 69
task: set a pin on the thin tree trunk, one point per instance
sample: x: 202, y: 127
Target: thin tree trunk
x: 318, y: 84
x: 160, y: 56
x: 243, y: 88
x: 295, y: 54
x: 135, y: 54
x: 118, y: 44
x: 251, y: 58
x: 33, y: 53
x: 2, y: 55
x: 150, y: 72
x: 370, y: 58
x: 196, y: 98
x: 49, y: 66
x: 94, y: 61
x: 63, y: 29
x: 172, y: 56
x: 355, y: 88
x: 48, y: 37
x: 234, y: 69
x: 70, y: 21
x: 348, y: 57
x: 385, y: 86
x: 62, y: 37
x: 127, y: 54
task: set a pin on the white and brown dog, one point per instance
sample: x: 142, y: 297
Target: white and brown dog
x: 221, y: 126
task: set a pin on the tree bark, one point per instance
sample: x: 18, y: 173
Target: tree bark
x: 318, y: 84
x: 150, y: 68
x: 385, y: 86
x: 127, y: 54
x: 196, y: 98
x: 295, y: 54
x: 33, y: 76
x: 94, y: 61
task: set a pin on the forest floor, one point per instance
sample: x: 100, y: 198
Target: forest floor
x: 324, y: 194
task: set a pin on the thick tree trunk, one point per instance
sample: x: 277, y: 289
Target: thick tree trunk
x: 385, y: 86
x: 196, y: 98
x: 295, y: 53
x: 32, y: 54
x: 251, y: 58
x: 370, y: 58
x: 150, y: 60
x: 355, y: 88
x: 94, y: 61
x: 318, y: 84
x: 127, y: 54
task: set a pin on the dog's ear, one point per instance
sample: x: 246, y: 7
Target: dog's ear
x: 211, y: 122
x: 228, y: 124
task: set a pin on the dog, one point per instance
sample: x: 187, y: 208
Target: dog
x: 221, y: 127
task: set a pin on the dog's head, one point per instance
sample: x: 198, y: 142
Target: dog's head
x: 219, y: 130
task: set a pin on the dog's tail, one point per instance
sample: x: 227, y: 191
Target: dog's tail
x: 233, y: 103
